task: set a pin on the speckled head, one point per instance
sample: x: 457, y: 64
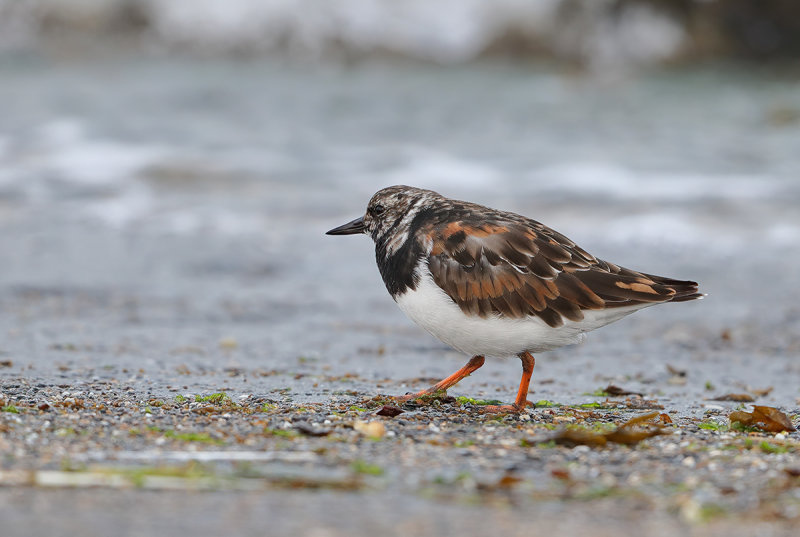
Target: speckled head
x: 392, y: 209
x: 389, y: 215
x: 393, y: 215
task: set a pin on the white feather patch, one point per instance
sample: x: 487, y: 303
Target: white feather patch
x: 433, y: 310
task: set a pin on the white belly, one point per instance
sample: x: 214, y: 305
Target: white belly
x: 433, y: 310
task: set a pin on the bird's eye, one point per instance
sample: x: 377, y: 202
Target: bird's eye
x: 378, y: 210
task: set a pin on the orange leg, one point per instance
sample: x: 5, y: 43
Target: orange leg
x: 473, y: 365
x: 522, y: 395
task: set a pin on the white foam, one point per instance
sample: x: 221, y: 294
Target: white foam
x: 655, y: 228
x: 78, y: 159
x: 601, y: 178
x: 130, y: 206
x: 783, y: 234
x: 437, y: 170
x: 218, y: 221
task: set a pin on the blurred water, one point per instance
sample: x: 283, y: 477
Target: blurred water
x: 114, y: 142
x: 166, y: 202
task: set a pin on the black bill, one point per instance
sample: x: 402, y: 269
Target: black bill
x: 350, y: 228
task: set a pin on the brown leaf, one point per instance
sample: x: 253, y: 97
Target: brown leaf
x: 576, y: 437
x: 766, y: 418
x: 560, y: 473
x: 508, y: 481
x: 629, y: 433
x: 630, y: 437
x: 774, y: 419
x: 389, y: 411
x: 762, y: 392
x: 6, y: 363
x: 616, y: 390
x: 664, y: 418
x: 740, y: 416
x: 641, y: 418
x: 737, y: 397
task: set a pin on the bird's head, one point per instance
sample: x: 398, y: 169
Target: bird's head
x: 389, y: 212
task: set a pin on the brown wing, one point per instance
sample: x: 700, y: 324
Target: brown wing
x: 523, y: 268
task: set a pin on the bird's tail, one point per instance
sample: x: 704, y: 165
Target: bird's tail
x: 684, y: 289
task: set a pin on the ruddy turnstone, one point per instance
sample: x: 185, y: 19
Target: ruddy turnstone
x: 494, y: 283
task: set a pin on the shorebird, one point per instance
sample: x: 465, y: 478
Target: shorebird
x: 495, y: 283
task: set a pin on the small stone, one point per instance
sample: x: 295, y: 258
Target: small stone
x: 372, y: 429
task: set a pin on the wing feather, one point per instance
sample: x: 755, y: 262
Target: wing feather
x: 514, y: 267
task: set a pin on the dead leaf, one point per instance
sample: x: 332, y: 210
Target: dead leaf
x: 636, y: 420
x: 6, y: 363
x: 768, y: 414
x: 560, y: 473
x: 762, y: 392
x: 737, y: 397
x: 766, y: 418
x: 665, y: 418
x: 629, y: 433
x: 389, y: 411
x: 630, y: 437
x: 616, y: 390
x: 508, y: 481
x: 579, y: 437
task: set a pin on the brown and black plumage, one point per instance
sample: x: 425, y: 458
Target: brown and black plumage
x: 496, y: 283
x: 516, y: 267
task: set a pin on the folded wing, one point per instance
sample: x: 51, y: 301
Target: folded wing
x: 523, y: 268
